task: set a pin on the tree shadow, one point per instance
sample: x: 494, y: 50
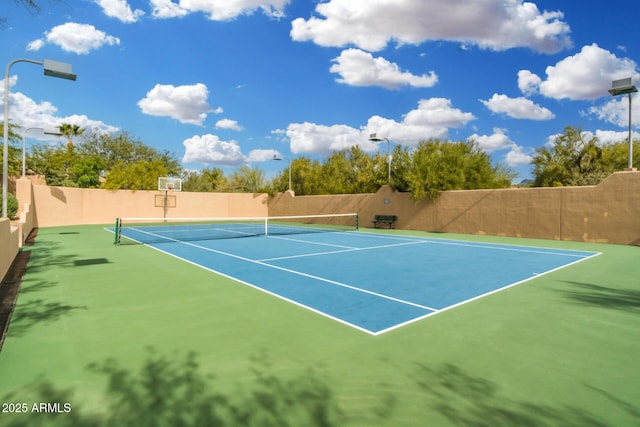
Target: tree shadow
x: 632, y: 409
x: 601, y: 296
x: 169, y: 391
x: 467, y: 400
x: 36, y: 312
x: 33, y: 259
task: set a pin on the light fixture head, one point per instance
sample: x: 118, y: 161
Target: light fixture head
x: 374, y: 137
x: 622, y: 87
x: 57, y: 69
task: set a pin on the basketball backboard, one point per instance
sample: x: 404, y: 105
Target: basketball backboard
x: 169, y: 184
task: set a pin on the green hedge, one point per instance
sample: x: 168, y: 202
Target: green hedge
x: 12, y: 205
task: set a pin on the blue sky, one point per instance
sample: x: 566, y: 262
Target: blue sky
x: 222, y: 83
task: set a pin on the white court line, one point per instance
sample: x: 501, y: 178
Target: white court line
x: 340, y: 251
x: 415, y: 240
x: 291, y: 239
x: 299, y: 273
x: 495, y: 246
x: 477, y: 297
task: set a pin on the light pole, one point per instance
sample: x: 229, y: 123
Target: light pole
x: 51, y: 68
x: 374, y: 138
x: 24, y: 145
x: 275, y: 157
x: 622, y: 87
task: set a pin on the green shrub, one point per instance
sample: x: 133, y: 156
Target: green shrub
x: 12, y: 205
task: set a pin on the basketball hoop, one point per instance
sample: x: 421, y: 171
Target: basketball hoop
x: 169, y: 184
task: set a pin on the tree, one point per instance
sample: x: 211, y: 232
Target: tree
x: 573, y: 160
x: 14, y: 158
x: 99, y: 154
x: 31, y: 5
x: 203, y: 181
x: 400, y: 166
x: 247, y: 179
x: 124, y: 147
x: 440, y: 166
x: 141, y: 175
x: 70, y: 131
x: 305, y: 177
x: 336, y: 174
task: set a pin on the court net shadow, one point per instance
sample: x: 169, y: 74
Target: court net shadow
x: 468, y: 400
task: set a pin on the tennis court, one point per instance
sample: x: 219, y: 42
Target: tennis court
x: 374, y: 282
x: 128, y: 335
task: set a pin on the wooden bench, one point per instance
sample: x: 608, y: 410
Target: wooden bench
x: 384, y: 219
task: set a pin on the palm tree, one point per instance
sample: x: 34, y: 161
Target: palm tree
x: 70, y: 131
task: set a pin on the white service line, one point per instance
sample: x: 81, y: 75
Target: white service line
x: 341, y: 251
x: 299, y: 273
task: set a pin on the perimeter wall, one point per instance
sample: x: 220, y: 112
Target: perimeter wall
x: 606, y: 213
x: 9, y: 244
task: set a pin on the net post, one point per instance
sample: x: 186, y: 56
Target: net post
x: 357, y: 220
x: 117, y: 232
x: 266, y: 226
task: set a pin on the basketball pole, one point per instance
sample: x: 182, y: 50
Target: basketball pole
x: 166, y: 204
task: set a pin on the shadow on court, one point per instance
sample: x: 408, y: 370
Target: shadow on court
x: 37, y: 312
x: 605, y: 297
x: 467, y: 400
x: 172, y: 392
x: 169, y: 391
x: 32, y: 310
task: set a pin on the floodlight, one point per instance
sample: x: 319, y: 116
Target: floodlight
x: 51, y: 68
x: 625, y: 87
x: 275, y: 157
x: 622, y: 87
x: 374, y: 137
x: 57, y: 69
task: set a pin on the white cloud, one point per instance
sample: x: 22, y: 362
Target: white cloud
x: 88, y: 124
x: 359, y: 68
x: 27, y: 113
x: 167, y: 9
x: 586, y: 75
x: 320, y: 139
x: 187, y: 104
x: 431, y: 119
x: 120, y: 10
x: 490, y: 24
x: 209, y: 149
x: 607, y: 137
x: 228, y: 124
x: 616, y: 111
x: 517, y: 157
x: 36, y: 45
x: 499, y: 141
x: 494, y: 142
x: 218, y: 10
x: 528, y: 83
x: 517, y: 108
x: 76, y: 38
x: 262, y: 155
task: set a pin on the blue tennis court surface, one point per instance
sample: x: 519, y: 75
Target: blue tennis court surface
x: 372, y: 282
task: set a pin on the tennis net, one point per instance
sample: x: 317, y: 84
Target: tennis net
x: 158, y: 230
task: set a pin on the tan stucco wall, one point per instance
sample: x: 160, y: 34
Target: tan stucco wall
x: 67, y: 206
x: 8, y: 245
x: 607, y: 213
